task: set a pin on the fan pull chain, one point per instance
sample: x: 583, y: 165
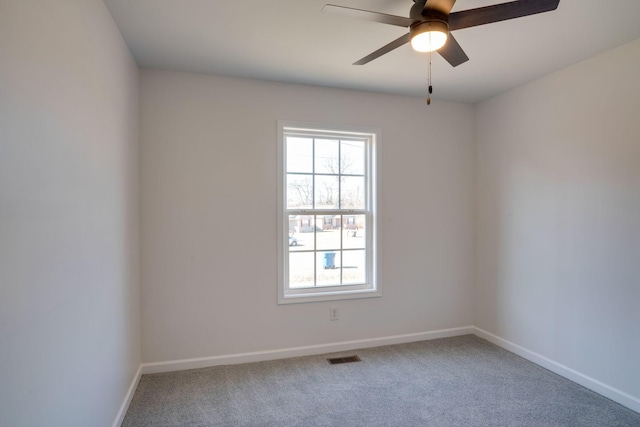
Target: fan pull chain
x: 429, y: 81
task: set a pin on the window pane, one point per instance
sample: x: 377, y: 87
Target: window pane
x: 329, y: 222
x: 328, y: 238
x: 353, y: 267
x: 352, y: 192
x: 304, y: 224
x: 299, y: 191
x: 327, y: 156
x: 328, y: 268
x: 300, y: 237
x: 353, y: 159
x: 301, y: 270
x: 326, y: 192
x: 354, y: 236
x: 299, y: 154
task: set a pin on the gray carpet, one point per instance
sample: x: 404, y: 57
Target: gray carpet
x: 460, y: 381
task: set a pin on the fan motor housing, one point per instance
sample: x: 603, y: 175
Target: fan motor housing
x: 419, y: 13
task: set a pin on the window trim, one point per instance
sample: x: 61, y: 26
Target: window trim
x: 342, y: 292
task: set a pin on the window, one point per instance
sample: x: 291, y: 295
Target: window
x: 327, y: 218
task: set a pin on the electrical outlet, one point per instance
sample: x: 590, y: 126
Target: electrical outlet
x: 334, y: 313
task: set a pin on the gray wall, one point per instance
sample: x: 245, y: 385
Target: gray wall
x: 69, y: 286
x: 208, y: 177
x: 558, y: 218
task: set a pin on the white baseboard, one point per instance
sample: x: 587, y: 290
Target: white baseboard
x: 127, y: 399
x: 259, y: 356
x: 614, y: 394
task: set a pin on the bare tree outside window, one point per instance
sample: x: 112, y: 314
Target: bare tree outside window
x: 336, y: 180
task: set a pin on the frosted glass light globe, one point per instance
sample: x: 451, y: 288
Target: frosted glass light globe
x: 428, y: 36
x: 428, y: 41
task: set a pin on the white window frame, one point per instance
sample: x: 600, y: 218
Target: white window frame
x: 371, y: 288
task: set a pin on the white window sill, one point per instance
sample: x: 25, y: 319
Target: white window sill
x: 323, y: 295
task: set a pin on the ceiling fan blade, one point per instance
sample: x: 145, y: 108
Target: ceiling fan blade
x: 499, y: 12
x: 452, y: 52
x: 384, y: 49
x: 367, y: 15
x: 442, y: 6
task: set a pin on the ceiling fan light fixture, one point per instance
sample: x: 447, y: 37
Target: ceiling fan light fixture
x: 429, y: 36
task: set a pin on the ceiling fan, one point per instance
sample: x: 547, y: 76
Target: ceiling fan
x: 430, y: 24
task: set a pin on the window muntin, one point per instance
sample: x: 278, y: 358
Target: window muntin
x: 327, y: 212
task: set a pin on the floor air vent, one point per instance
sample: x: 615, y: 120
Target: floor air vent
x: 346, y: 359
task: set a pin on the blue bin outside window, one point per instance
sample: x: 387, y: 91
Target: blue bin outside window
x: 329, y: 260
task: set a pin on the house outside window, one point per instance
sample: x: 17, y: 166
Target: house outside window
x: 327, y: 194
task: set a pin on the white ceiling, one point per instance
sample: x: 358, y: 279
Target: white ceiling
x: 294, y: 41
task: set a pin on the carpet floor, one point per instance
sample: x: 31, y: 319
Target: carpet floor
x: 459, y: 381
